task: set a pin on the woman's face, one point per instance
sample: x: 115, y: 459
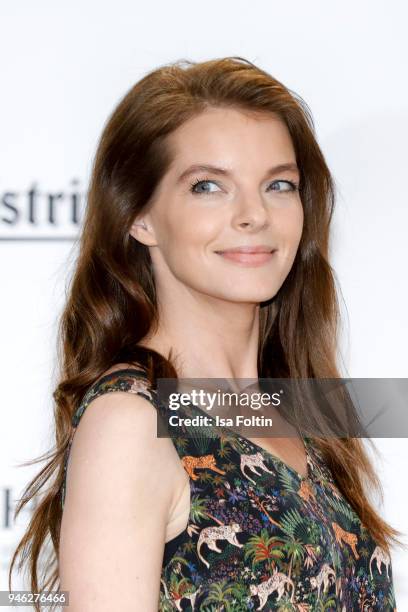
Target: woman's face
x: 241, y: 202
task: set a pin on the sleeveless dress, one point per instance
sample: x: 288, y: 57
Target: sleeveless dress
x: 259, y: 535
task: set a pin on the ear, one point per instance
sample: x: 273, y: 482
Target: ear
x: 142, y: 231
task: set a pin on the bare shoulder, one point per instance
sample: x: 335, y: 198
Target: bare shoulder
x: 119, y: 492
x: 114, y: 423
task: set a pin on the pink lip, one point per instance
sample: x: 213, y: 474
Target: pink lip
x: 261, y: 248
x: 248, y: 258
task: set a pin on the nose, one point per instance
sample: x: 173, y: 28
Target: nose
x: 249, y: 211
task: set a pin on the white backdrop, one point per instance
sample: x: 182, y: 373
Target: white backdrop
x: 64, y: 66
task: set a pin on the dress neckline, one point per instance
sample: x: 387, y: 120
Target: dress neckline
x: 274, y: 458
x: 281, y: 462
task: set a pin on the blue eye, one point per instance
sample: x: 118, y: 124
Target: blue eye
x: 199, y: 182
x: 293, y: 186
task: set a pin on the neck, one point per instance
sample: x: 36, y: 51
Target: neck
x: 210, y: 338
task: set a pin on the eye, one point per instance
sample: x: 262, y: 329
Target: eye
x: 293, y: 186
x: 197, y: 183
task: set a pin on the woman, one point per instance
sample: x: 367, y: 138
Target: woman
x: 197, y: 164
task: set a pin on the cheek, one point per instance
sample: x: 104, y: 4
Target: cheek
x: 289, y: 224
x: 196, y: 230
x: 184, y: 239
x: 288, y: 227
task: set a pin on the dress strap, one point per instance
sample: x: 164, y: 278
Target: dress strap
x: 125, y: 379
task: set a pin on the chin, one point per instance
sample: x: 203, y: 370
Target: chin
x: 253, y: 297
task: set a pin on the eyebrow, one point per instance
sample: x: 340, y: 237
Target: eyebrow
x: 286, y: 167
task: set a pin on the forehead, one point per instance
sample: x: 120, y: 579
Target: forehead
x: 231, y: 137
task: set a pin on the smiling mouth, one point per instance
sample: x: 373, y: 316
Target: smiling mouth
x: 249, y: 258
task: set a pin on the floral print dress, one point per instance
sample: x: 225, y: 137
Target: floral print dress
x: 259, y: 535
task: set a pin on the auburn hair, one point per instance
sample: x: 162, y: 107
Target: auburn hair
x: 111, y: 303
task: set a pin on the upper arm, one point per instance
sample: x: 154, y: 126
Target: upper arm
x: 118, y: 494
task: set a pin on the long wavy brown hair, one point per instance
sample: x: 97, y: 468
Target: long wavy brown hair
x: 111, y: 305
